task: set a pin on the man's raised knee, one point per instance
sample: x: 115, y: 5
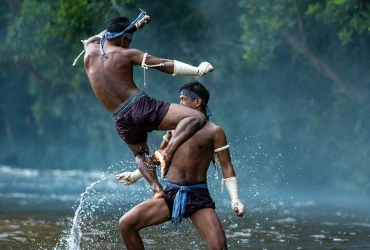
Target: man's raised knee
x: 201, y: 120
x: 122, y: 224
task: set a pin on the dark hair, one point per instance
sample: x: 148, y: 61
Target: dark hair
x: 198, y: 89
x: 118, y: 24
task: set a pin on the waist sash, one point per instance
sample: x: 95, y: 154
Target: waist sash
x: 179, y: 203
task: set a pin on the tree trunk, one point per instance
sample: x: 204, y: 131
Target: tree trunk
x: 15, y: 7
x: 322, y: 67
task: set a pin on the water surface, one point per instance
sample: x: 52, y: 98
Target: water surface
x: 38, y: 209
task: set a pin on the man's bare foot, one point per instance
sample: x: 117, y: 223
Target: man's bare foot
x: 154, y: 160
x: 158, y: 194
x: 157, y: 191
x: 163, y: 158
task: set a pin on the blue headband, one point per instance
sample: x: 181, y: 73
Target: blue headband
x: 193, y: 95
x: 126, y: 32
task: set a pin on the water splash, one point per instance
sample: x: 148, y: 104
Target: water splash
x: 74, y: 239
x: 109, y: 201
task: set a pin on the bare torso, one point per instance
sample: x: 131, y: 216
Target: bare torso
x: 110, y: 78
x: 192, y: 160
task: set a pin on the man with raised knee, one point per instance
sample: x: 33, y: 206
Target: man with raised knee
x: 109, y: 65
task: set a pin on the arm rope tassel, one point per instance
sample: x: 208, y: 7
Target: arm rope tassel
x: 146, y: 66
x: 216, y: 158
x: 75, y: 61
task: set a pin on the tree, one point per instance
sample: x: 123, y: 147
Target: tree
x: 317, y: 39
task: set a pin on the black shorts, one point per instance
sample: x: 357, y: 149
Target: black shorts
x: 144, y: 116
x: 196, y: 199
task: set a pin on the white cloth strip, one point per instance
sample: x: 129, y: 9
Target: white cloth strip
x: 183, y: 69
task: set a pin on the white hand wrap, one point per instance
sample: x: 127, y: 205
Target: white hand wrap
x: 130, y: 177
x: 204, y: 68
x: 232, y: 187
x: 183, y: 69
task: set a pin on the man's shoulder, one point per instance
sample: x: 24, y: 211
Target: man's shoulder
x: 128, y: 52
x: 91, y: 47
x: 213, y: 127
x: 132, y: 50
x: 118, y: 51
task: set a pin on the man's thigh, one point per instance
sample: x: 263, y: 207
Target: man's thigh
x: 208, y: 225
x: 175, y: 114
x: 148, y: 213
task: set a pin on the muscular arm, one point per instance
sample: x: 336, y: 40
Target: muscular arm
x: 166, y: 139
x: 228, y: 172
x: 170, y: 66
x: 137, y: 59
x: 224, y: 155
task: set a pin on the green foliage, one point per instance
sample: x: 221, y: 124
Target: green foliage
x: 294, y: 73
x: 327, y: 35
x: 346, y: 17
x: 262, y: 22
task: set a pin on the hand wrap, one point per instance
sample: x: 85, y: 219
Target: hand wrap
x: 183, y: 69
x: 130, y: 177
x: 232, y: 187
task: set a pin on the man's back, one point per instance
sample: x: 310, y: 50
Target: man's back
x: 111, y: 78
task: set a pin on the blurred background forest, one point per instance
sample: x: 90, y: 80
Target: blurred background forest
x: 291, y: 85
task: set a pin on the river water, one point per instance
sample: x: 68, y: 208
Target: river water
x: 55, y: 209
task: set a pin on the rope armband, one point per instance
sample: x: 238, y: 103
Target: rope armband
x: 146, y: 66
x: 216, y: 161
x: 222, y: 148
